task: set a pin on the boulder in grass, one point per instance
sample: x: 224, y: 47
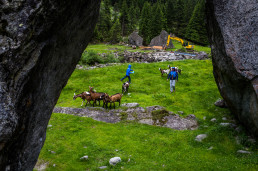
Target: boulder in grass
x: 200, y: 137
x: 113, y: 161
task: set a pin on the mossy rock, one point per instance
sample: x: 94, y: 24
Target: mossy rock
x: 159, y: 115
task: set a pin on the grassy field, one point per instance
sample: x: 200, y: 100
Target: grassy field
x: 145, y: 147
x: 107, y: 48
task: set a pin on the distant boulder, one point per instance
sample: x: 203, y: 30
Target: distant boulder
x: 161, y: 40
x: 135, y: 39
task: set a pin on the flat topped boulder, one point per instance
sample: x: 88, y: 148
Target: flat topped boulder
x: 135, y: 39
x: 161, y: 40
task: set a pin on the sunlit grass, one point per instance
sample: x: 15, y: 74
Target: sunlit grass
x: 145, y: 147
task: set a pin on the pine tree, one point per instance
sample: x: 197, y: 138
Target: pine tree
x: 124, y: 19
x: 144, y: 26
x: 171, y: 15
x: 196, y: 29
x: 157, y: 20
x: 179, y: 18
x: 115, y: 32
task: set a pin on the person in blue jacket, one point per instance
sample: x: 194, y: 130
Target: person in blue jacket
x: 173, y: 76
x: 128, y: 72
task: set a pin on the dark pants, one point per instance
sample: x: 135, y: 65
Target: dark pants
x: 128, y: 78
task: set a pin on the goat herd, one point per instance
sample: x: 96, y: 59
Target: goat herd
x: 167, y: 71
x: 98, y: 96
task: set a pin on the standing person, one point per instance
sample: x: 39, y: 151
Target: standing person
x: 173, y: 76
x: 128, y: 72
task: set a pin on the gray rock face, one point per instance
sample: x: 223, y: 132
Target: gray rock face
x: 135, y: 39
x: 161, y: 40
x: 130, y: 105
x: 40, y: 45
x: 233, y: 35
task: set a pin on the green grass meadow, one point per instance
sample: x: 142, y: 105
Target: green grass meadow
x: 140, y: 146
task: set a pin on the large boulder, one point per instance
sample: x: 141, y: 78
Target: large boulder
x: 40, y: 44
x: 233, y: 35
x: 135, y: 39
x: 161, y: 40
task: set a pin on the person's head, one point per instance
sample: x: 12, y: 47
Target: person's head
x: 173, y: 68
x: 129, y: 66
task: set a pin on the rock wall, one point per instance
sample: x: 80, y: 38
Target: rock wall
x: 233, y: 35
x: 41, y: 42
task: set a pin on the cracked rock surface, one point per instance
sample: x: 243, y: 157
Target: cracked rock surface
x: 41, y: 42
x: 233, y: 35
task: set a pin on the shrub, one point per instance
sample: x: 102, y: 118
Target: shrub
x: 110, y: 58
x: 90, y: 58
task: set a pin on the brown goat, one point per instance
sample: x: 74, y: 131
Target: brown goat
x: 84, y: 96
x: 96, y: 96
x: 112, y: 99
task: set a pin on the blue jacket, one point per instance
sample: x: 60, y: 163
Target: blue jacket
x: 173, y: 75
x: 128, y: 71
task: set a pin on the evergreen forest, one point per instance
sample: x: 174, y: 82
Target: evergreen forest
x: 119, y: 18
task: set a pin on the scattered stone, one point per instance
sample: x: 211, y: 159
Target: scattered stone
x: 202, y: 56
x: 49, y: 126
x: 113, y: 161
x: 54, y: 165
x: 220, y: 103
x: 191, y: 116
x: 213, y: 120
x: 85, y: 147
x: 244, y: 152
x: 116, y: 150
x: 103, y: 167
x: 238, y: 141
x: 251, y: 140
x: 130, y: 105
x: 239, y: 129
x: 210, y: 148
x: 224, y: 118
x: 225, y: 124
x: 200, y: 137
x: 204, y: 118
x: 180, y: 112
x: 84, y: 158
x: 129, y: 160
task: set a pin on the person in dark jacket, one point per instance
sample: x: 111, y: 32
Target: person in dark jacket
x: 173, y: 77
x: 128, y: 72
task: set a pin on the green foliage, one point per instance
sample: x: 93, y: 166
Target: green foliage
x: 110, y: 58
x: 157, y: 21
x: 115, y: 31
x: 196, y: 29
x: 145, y: 22
x: 124, y: 18
x: 90, y: 58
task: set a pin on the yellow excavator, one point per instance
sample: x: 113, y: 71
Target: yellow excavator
x: 184, y: 44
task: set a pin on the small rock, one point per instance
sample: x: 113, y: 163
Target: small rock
x: 49, y: 126
x: 54, y: 165
x: 85, y: 147
x: 191, y: 116
x: 224, y: 118
x: 103, y: 167
x: 210, y: 148
x: 113, y: 161
x: 129, y: 160
x: 244, y: 152
x: 220, y: 103
x: 116, y: 150
x: 53, y: 152
x: 204, y: 118
x: 180, y: 112
x: 200, y: 137
x: 130, y: 105
x: 213, y: 120
x: 84, y: 158
x: 225, y: 124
